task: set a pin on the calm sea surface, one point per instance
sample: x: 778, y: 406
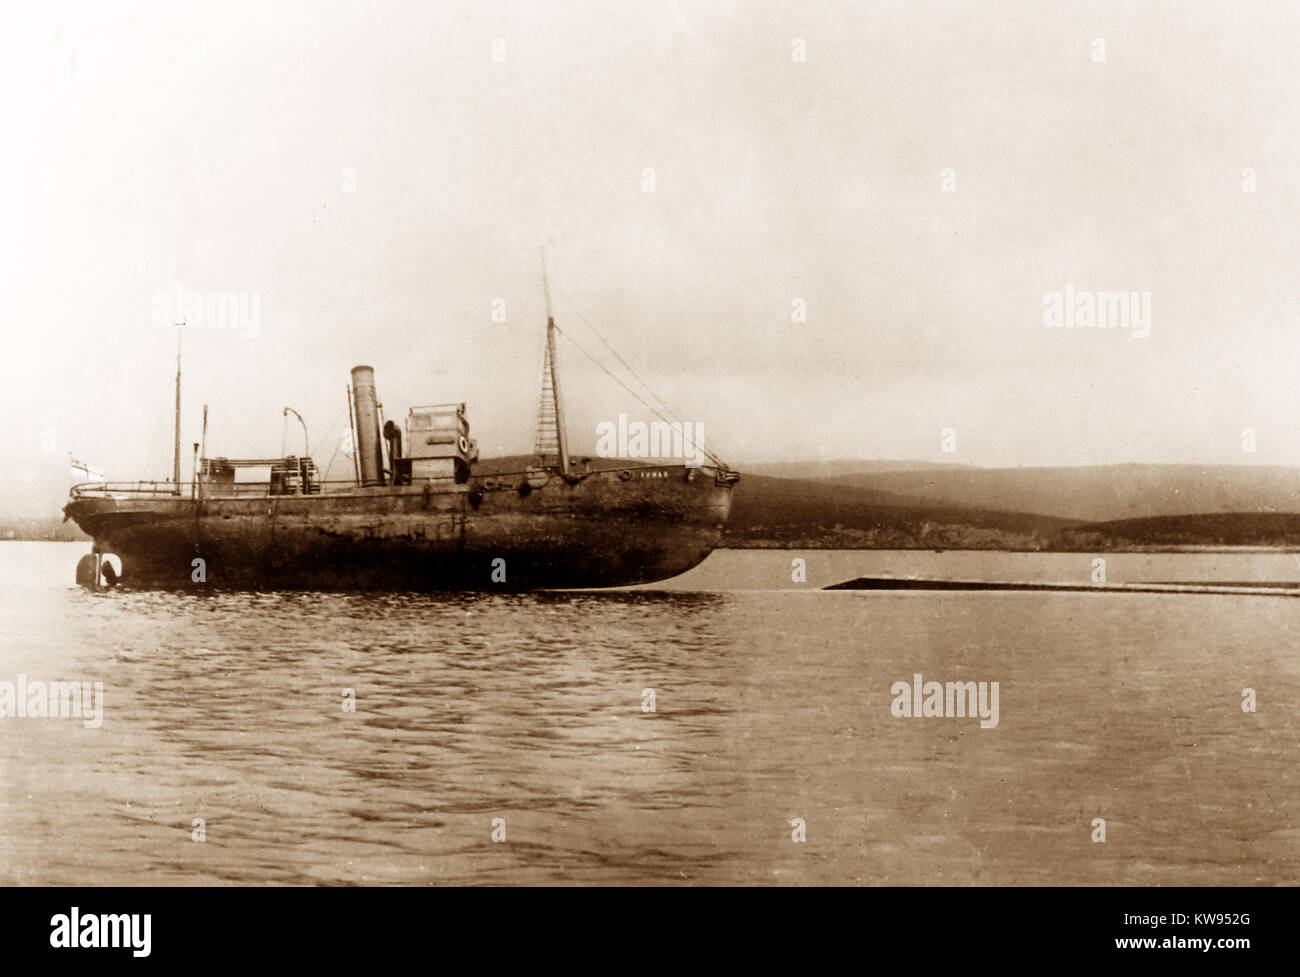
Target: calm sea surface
x: 771, y: 705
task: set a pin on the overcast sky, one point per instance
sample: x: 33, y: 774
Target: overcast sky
x: 375, y: 175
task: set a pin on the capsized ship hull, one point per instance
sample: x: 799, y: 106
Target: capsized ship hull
x: 504, y: 532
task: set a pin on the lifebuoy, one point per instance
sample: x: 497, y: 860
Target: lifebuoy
x: 463, y: 445
x: 625, y: 474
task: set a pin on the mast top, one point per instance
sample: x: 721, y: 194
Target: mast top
x: 546, y: 292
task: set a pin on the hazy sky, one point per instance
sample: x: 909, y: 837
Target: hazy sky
x: 375, y: 175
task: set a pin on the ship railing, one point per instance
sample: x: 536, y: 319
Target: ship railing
x: 144, y: 490
x: 93, y: 490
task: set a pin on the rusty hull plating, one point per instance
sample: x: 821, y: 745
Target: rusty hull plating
x: 599, y: 529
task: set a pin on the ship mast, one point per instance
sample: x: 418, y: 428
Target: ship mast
x: 551, y: 379
x: 176, y: 448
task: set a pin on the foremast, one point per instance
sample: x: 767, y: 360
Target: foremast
x: 552, y: 438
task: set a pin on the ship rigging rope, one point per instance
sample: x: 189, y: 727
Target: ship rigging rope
x: 596, y: 332
x: 672, y: 418
x: 325, y: 472
x: 669, y: 419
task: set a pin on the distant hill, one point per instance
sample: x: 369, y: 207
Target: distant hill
x: 1208, y: 529
x: 778, y: 512
x: 842, y: 469
x: 1099, y: 493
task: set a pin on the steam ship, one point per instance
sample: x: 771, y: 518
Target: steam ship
x: 418, y: 514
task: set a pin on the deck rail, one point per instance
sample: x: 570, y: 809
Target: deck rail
x: 210, y: 490
x: 258, y: 490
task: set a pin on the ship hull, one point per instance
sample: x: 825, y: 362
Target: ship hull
x: 509, y: 532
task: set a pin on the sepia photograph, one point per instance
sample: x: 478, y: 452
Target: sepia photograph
x: 650, y: 443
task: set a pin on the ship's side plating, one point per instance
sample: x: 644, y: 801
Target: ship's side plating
x: 533, y: 529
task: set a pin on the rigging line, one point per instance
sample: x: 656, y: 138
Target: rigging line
x: 578, y: 312
x: 648, y: 389
x: 705, y: 451
x: 325, y: 473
